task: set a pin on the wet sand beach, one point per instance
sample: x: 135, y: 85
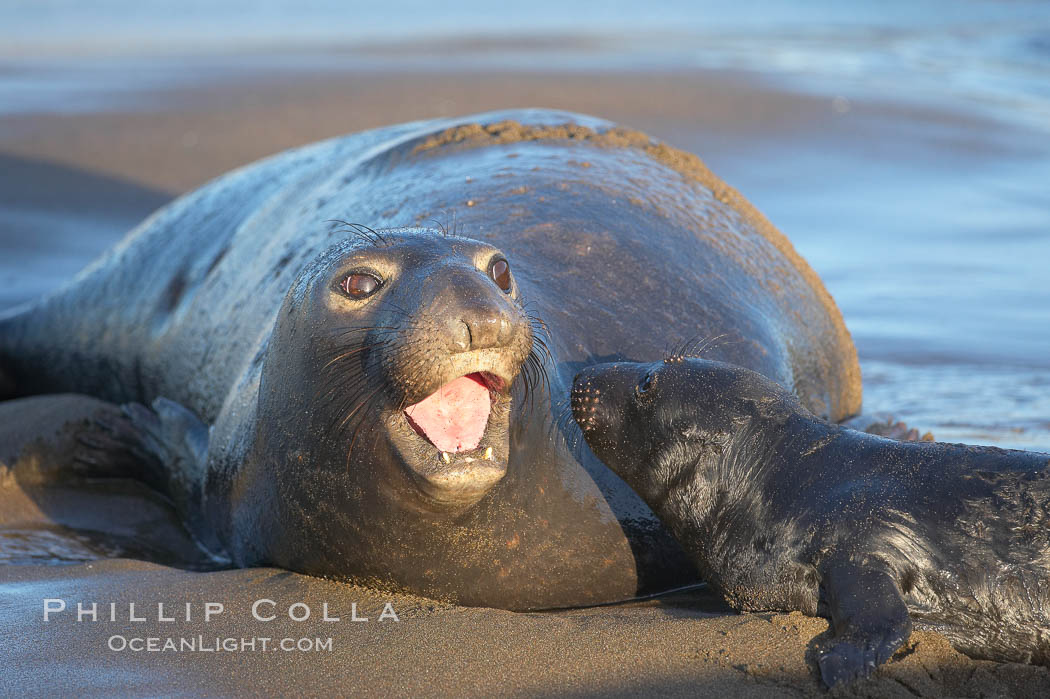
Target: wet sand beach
x: 678, y: 646
x: 72, y: 182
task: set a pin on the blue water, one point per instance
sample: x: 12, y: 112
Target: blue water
x: 924, y: 203
x: 996, y: 53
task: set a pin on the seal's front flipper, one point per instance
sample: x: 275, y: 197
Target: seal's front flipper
x: 110, y: 446
x: 158, y: 446
x: 177, y: 442
x: 165, y: 446
x: 868, y: 617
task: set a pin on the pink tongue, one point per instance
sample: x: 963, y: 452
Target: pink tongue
x: 454, y: 417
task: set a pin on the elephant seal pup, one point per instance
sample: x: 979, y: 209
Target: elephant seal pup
x: 781, y: 510
x: 350, y: 402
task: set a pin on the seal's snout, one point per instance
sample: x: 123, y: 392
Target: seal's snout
x: 459, y: 348
x: 478, y: 329
x: 605, y: 400
x: 471, y: 313
x: 584, y: 400
x: 590, y: 406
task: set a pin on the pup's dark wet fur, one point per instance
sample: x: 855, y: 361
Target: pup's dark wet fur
x: 781, y: 510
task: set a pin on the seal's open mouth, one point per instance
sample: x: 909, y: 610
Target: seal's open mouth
x: 455, y: 441
x: 455, y: 416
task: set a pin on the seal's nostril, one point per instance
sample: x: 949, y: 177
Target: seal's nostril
x: 459, y: 340
x: 483, y: 330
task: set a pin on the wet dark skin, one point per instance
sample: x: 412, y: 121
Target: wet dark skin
x: 781, y: 510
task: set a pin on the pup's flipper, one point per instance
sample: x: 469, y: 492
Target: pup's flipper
x: 869, y: 620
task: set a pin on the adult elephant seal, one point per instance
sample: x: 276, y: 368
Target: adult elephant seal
x: 784, y: 511
x: 338, y: 400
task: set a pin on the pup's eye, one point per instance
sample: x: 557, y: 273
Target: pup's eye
x: 646, y: 383
x: 500, y: 273
x: 360, y: 285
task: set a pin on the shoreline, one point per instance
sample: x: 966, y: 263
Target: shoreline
x: 203, y: 129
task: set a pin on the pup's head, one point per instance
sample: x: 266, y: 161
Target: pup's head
x: 648, y: 421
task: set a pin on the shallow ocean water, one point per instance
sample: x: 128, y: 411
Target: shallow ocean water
x: 925, y: 207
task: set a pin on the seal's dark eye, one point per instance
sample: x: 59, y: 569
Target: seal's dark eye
x: 645, y: 384
x: 359, y: 286
x: 500, y: 273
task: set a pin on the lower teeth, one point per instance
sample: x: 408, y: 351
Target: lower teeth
x: 468, y: 459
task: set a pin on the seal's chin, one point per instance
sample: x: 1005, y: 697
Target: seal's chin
x: 455, y: 441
